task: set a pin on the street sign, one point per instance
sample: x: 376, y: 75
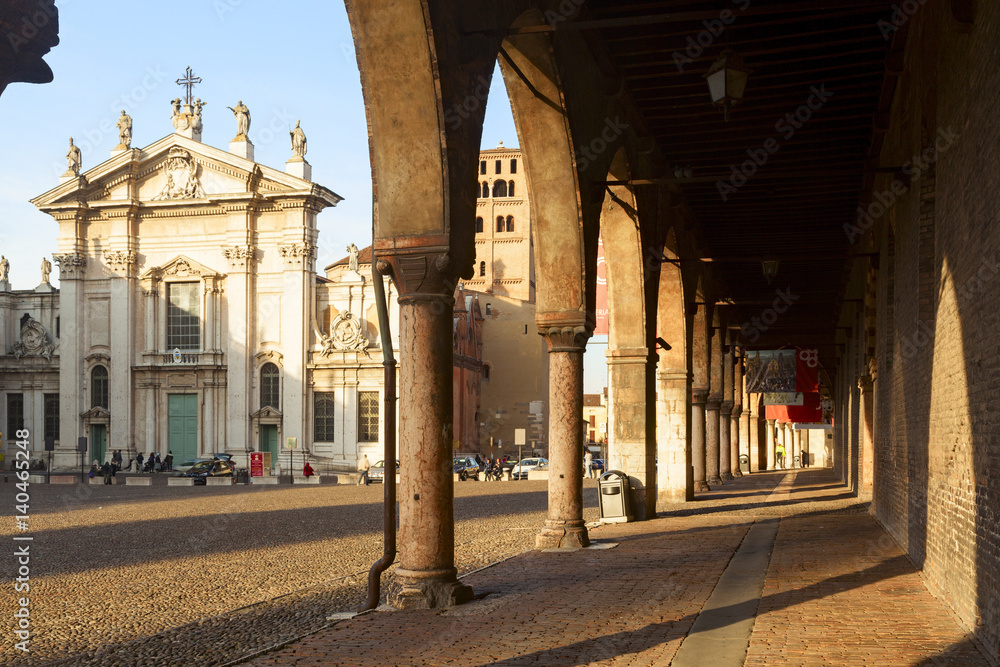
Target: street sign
x: 291, y: 443
x: 81, y: 444
x: 50, y: 444
x: 519, y: 436
x: 256, y: 464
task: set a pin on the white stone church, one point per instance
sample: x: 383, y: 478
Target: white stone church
x: 189, y: 316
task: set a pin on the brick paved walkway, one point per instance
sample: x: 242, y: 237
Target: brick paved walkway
x: 837, y: 592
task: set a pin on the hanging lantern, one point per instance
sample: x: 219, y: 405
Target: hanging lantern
x: 727, y: 79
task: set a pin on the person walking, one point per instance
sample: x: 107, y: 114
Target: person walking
x: 168, y: 462
x: 138, y: 462
x: 779, y: 455
x: 363, y: 467
x: 588, y: 464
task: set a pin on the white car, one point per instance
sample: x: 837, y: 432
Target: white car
x: 520, y: 471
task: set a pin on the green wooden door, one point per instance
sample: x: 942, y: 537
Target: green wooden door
x: 182, y: 426
x: 269, y: 440
x: 99, y: 440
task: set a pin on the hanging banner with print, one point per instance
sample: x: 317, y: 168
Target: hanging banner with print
x: 810, y: 412
x: 601, y: 307
x: 770, y: 371
x: 783, y: 398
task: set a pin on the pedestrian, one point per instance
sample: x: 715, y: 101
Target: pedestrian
x: 138, y: 462
x: 588, y: 464
x: 116, y: 462
x: 158, y: 464
x: 363, y: 467
x: 106, y: 471
x: 307, y: 470
x: 779, y: 452
x: 168, y: 462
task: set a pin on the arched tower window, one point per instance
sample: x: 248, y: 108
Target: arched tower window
x: 479, y: 225
x: 482, y: 268
x: 510, y: 223
x: 486, y: 190
x: 269, y: 386
x: 500, y: 188
x: 99, y: 387
x: 500, y: 223
x: 510, y: 189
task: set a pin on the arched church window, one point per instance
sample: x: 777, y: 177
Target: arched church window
x: 510, y: 189
x: 486, y: 371
x: 482, y: 268
x: 485, y: 190
x: 500, y: 188
x: 99, y: 387
x: 269, y: 386
x: 479, y: 225
x: 510, y: 223
x: 500, y: 223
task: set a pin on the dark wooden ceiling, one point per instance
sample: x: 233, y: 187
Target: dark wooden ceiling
x: 795, y: 206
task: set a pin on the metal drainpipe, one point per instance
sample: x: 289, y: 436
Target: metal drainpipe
x: 389, y: 438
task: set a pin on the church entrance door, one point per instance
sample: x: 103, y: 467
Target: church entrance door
x: 269, y: 440
x: 182, y: 426
x: 99, y: 437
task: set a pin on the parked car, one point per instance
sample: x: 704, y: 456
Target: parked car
x: 188, y: 464
x: 377, y: 472
x: 466, y: 467
x: 597, y: 465
x: 520, y: 471
x: 202, y: 470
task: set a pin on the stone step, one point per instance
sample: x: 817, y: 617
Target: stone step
x: 138, y: 481
x: 180, y: 481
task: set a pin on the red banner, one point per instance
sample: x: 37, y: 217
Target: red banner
x: 256, y: 464
x: 807, y: 370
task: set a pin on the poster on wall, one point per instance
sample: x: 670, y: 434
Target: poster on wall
x: 601, y: 307
x: 771, y: 371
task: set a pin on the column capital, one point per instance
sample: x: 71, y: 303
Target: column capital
x: 567, y: 338
x: 699, y: 395
x: 865, y: 383
x: 421, y: 273
x: 727, y: 407
x: 713, y: 403
x: 770, y: 422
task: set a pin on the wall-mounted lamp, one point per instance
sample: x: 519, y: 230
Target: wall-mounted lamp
x: 662, y: 344
x: 770, y: 267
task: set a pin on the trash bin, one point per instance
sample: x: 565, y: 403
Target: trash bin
x: 795, y: 462
x: 744, y: 463
x: 615, y: 494
x: 242, y: 476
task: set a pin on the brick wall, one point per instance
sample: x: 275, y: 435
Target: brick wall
x: 937, y: 450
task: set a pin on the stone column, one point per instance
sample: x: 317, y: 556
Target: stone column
x: 712, y: 408
x: 698, y: 398
x: 426, y: 577
x: 726, y: 415
x: 564, y: 526
x: 754, y: 427
x: 867, y: 446
x: 673, y: 452
x: 770, y: 445
x: 737, y: 435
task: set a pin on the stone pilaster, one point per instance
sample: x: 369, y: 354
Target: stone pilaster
x: 632, y: 394
x: 426, y: 576
x: 735, y: 436
x: 564, y: 525
x: 699, y: 396
x: 725, y: 441
x: 673, y: 470
x: 867, y: 442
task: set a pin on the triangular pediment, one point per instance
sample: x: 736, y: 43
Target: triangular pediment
x: 176, y: 170
x: 96, y: 412
x: 266, y: 413
x: 181, y: 266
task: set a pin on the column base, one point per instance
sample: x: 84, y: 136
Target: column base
x: 737, y: 473
x: 714, y: 481
x: 727, y: 476
x: 562, y: 537
x: 429, y: 590
x: 701, y: 486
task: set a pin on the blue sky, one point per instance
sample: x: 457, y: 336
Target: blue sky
x: 287, y: 62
